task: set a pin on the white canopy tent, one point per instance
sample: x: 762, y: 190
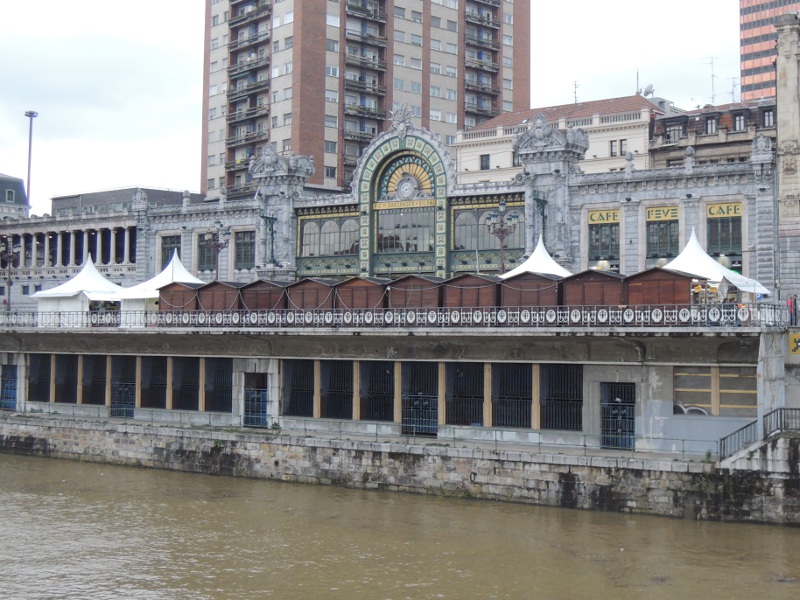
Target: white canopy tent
x: 695, y: 261
x: 538, y: 262
x: 76, y: 294
x: 143, y: 297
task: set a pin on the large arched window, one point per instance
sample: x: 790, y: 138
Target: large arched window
x: 466, y: 231
x: 329, y: 239
x: 348, y: 238
x: 310, y: 245
x: 472, y: 231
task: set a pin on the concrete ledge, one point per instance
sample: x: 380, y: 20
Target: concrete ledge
x: 612, y: 483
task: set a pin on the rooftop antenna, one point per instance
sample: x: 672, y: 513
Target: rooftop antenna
x: 713, y: 77
x: 575, y: 87
x: 734, y: 82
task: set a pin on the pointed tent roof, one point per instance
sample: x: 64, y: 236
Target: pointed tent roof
x: 539, y: 262
x: 88, y: 280
x: 695, y: 261
x: 174, y: 272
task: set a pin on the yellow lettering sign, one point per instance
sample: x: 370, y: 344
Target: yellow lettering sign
x: 597, y: 217
x: 721, y: 211
x: 662, y: 213
x: 402, y: 204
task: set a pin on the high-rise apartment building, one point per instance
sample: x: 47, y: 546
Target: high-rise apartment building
x: 321, y: 77
x: 758, y: 36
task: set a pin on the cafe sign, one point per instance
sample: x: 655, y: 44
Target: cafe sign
x: 600, y: 217
x: 722, y: 211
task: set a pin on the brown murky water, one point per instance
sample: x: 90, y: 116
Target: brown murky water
x: 74, y: 530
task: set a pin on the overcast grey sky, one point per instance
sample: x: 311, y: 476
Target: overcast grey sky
x: 118, y: 84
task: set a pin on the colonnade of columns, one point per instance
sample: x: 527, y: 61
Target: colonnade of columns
x: 106, y: 246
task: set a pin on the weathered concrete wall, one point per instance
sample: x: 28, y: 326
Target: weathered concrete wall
x: 672, y: 488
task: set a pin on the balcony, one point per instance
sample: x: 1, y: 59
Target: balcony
x: 365, y: 62
x: 349, y: 161
x: 364, y: 111
x: 489, y: 2
x: 243, y: 66
x: 484, y: 88
x: 239, y: 164
x: 363, y: 12
x: 483, y: 65
x: 474, y: 40
x: 359, y: 136
x: 366, y: 38
x: 363, y: 86
x: 480, y: 109
x: 486, y: 19
x: 251, y: 13
x: 250, y: 113
x: 242, y: 192
x: 246, y: 90
x: 245, y: 42
x: 248, y: 138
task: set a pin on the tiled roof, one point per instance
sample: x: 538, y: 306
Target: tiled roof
x: 572, y: 111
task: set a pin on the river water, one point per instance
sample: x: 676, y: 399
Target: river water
x: 80, y: 530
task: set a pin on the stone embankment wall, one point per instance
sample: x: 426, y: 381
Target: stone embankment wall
x: 674, y: 488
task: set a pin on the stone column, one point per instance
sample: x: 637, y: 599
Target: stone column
x: 59, y: 248
x: 98, y: 247
x: 71, y: 235
x: 631, y: 254
x: 85, y: 246
x: 46, y: 258
x: 126, y: 258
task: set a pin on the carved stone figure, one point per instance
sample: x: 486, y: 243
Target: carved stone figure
x: 401, y: 121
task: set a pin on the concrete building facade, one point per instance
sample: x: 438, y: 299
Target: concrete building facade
x: 321, y: 78
x: 613, y: 126
x: 757, y: 33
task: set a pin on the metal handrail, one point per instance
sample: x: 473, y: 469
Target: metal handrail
x: 539, y: 317
x: 781, y: 419
x: 742, y: 437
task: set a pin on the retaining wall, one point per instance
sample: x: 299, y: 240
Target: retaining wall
x: 674, y: 488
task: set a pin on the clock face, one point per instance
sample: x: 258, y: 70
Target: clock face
x: 406, y: 177
x: 407, y: 187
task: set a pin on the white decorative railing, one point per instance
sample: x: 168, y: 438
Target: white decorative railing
x: 655, y: 316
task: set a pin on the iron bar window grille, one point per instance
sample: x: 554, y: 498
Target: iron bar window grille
x: 377, y: 400
x: 185, y: 383
x: 39, y: 378
x: 337, y: 390
x: 66, y: 384
x: 465, y: 402
x: 123, y: 386
x: 300, y: 391
x: 219, y: 385
x: 154, y: 382
x: 94, y: 380
x: 561, y: 397
x: 512, y: 395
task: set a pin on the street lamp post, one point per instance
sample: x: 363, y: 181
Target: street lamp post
x: 217, y: 240
x: 270, y: 221
x: 31, y: 114
x: 501, y: 225
x: 9, y: 254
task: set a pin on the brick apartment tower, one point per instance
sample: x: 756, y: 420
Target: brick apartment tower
x: 758, y: 36
x: 320, y: 77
